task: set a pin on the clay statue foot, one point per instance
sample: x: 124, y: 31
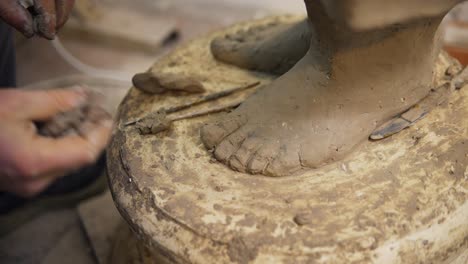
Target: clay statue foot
x: 286, y: 126
x: 279, y: 131
x: 265, y: 48
x: 330, y: 102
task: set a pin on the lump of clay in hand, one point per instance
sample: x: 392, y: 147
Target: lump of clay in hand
x: 78, y: 120
x: 153, y: 124
x: 157, y: 83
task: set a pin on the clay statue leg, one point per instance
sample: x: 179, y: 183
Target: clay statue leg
x: 357, y: 75
x: 265, y: 48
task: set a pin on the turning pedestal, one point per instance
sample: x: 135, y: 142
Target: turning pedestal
x: 399, y: 200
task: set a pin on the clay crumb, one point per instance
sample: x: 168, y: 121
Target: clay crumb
x: 303, y: 219
x: 452, y: 170
x: 153, y: 124
x: 367, y: 243
x: 218, y: 188
x: 239, y: 252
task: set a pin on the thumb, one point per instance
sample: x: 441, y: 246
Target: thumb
x: 64, y: 7
x: 52, y: 155
x: 43, y: 105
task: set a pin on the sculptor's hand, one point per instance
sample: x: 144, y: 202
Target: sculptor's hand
x: 51, y: 16
x: 30, y: 162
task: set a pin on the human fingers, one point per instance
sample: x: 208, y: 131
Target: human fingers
x: 63, y: 10
x: 46, y: 18
x: 14, y: 14
x: 40, y: 105
x: 72, y: 152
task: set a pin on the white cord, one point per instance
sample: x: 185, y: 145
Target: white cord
x: 84, y: 68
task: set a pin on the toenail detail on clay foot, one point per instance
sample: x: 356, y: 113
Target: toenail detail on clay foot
x: 263, y: 157
x: 239, y: 161
x: 230, y: 145
x: 213, y: 134
x: 285, y: 163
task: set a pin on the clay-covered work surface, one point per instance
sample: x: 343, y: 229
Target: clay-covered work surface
x: 398, y: 200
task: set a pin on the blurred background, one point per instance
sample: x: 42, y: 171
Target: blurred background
x: 104, y: 44
x: 456, y: 33
x: 125, y: 37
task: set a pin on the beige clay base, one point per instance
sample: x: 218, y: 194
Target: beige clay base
x: 399, y: 200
